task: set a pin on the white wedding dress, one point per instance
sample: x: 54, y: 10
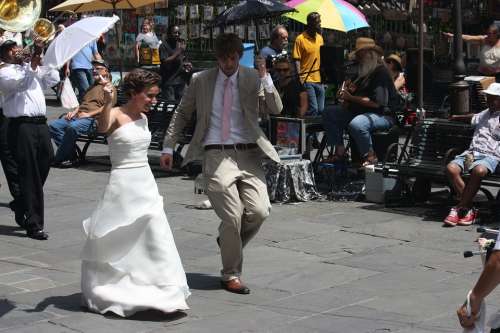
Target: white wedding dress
x: 130, y: 262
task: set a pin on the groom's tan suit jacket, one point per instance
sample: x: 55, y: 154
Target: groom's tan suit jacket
x: 254, y: 100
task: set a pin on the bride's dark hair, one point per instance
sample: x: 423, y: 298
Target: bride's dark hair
x: 138, y: 80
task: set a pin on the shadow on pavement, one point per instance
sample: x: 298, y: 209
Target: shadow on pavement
x: 149, y: 315
x: 73, y: 303
x: 7, y: 230
x: 200, y: 281
x: 5, y: 307
x: 428, y: 212
x: 68, y: 303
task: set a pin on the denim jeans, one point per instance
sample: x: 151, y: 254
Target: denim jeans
x: 81, y: 79
x: 316, y: 98
x: 336, y: 120
x: 64, y: 133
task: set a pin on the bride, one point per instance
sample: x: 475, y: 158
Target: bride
x: 130, y: 262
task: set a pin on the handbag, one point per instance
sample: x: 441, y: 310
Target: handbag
x: 68, y: 96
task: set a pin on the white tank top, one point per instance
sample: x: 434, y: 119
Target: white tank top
x: 490, y: 56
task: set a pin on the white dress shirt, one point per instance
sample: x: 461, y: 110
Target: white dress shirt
x: 22, y: 89
x: 239, y: 133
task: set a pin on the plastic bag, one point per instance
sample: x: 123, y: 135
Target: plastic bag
x: 68, y: 96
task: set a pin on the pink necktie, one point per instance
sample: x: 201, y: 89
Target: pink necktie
x: 226, y: 111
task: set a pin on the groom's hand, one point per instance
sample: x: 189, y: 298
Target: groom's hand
x: 166, y: 161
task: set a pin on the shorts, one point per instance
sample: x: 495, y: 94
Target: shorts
x: 487, y: 161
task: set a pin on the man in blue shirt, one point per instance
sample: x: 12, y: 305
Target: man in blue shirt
x: 279, y: 42
x: 81, y: 68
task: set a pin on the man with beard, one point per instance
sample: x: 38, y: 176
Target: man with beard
x: 278, y: 45
x: 367, y: 104
x: 306, y: 53
x: 22, y: 85
x: 173, y: 69
x: 64, y: 131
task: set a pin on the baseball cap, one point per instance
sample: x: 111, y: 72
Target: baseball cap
x: 493, y: 89
x: 100, y: 63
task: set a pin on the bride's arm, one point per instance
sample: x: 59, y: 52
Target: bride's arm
x: 106, y: 118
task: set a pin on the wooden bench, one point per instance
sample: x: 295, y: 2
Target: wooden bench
x: 431, y: 145
x: 159, y: 118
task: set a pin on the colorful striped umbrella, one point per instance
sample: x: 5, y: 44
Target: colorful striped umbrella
x: 335, y: 14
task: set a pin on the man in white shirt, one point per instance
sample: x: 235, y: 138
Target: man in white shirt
x: 22, y: 86
x: 228, y: 100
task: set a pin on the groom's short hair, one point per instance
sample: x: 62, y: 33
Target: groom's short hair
x: 228, y: 44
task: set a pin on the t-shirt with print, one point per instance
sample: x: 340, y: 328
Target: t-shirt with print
x: 94, y: 99
x: 306, y: 50
x: 83, y: 59
x: 486, y: 138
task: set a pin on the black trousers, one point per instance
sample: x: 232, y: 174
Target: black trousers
x: 9, y: 165
x: 29, y: 141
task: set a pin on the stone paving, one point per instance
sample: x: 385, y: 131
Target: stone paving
x: 314, y: 267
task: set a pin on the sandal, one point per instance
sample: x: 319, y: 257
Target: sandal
x: 370, y: 162
x: 370, y: 159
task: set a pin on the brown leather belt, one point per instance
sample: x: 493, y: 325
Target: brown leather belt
x: 236, y: 146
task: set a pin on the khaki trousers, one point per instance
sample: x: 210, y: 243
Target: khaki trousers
x: 236, y: 188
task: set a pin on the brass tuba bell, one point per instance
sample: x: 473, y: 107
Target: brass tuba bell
x: 19, y: 15
x: 44, y: 29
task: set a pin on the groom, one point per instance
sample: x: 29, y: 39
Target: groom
x: 228, y: 100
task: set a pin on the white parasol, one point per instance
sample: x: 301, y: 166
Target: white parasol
x: 74, y: 38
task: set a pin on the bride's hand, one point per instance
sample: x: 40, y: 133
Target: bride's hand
x: 108, y: 90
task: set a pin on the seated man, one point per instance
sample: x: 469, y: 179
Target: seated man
x: 64, y: 131
x: 480, y: 159
x: 395, y: 66
x: 368, y: 104
x: 292, y: 92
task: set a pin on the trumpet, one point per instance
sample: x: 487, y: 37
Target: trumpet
x: 43, y: 32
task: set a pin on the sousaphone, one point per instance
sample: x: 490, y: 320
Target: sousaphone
x: 19, y: 15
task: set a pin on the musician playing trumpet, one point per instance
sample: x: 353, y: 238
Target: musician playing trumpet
x: 367, y: 104
x: 22, y: 82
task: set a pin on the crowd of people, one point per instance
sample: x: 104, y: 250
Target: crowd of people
x: 129, y: 261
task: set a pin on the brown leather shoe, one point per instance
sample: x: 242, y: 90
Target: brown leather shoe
x: 235, y: 286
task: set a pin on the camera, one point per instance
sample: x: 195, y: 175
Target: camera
x: 270, y: 60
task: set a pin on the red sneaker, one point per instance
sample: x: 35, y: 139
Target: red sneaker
x: 452, y: 219
x: 469, y: 218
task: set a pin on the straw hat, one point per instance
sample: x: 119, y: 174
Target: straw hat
x: 396, y: 59
x: 365, y: 43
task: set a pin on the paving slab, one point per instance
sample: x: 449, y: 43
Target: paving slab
x: 319, y: 266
